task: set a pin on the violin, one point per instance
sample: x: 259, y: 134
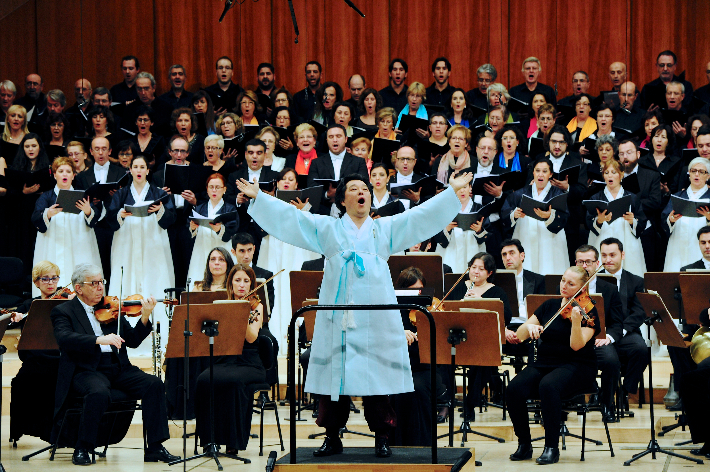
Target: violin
x: 254, y: 299
x: 62, y: 294
x: 580, y: 300
x: 436, y: 305
x: 107, y: 310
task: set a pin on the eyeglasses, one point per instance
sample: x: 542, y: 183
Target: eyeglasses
x: 143, y: 120
x: 554, y: 141
x: 95, y: 283
x: 213, y: 148
x: 179, y: 151
x: 406, y: 159
x: 457, y: 138
x: 47, y: 280
x: 698, y: 171
x: 580, y: 262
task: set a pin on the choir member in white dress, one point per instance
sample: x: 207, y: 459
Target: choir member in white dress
x: 545, y: 241
x: 276, y: 255
x: 683, y: 229
x: 627, y: 227
x: 141, y: 249
x: 379, y: 178
x: 217, y: 235
x: 65, y: 238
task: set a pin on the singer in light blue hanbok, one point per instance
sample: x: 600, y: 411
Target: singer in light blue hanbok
x: 359, y: 353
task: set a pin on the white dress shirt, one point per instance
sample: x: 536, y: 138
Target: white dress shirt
x: 406, y: 180
x: 101, y: 172
x: 337, y: 160
x: 522, y: 307
x: 254, y: 174
x: 95, y: 325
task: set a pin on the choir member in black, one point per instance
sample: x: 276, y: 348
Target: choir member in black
x: 218, y: 234
x: 282, y: 117
x: 527, y: 90
x: 178, y: 233
x: 631, y: 348
x: 324, y: 168
x: 224, y: 92
x: 102, y: 171
x: 459, y: 113
x: 125, y: 151
x: 150, y: 144
x: 184, y: 123
x: 248, y: 109
x: 587, y: 257
x: 661, y: 157
x: 695, y: 397
x: 565, y: 365
x: 526, y: 283
x: 56, y: 134
x: 362, y: 147
x: 232, y: 375
x: 20, y: 241
x: 477, y: 97
x: 202, y: 107
x: 582, y: 125
x: 94, y: 360
x: 652, y: 94
x: 511, y: 156
x: 125, y: 91
x: 369, y: 104
x: 457, y: 159
x: 8, y: 93
x: 305, y: 135
x: 32, y: 403
x: 76, y: 151
x: 440, y: 91
x: 177, y: 96
x: 481, y: 273
x: 243, y: 250
x: 102, y: 125
x: 395, y: 94
x: 15, y: 129
x: 215, y: 158
x: 230, y: 127
x: 327, y: 96
x: 304, y: 101
x: 545, y: 121
x: 559, y: 142
x: 414, y: 408
x: 438, y: 126
x: 284, y: 99
x: 404, y: 164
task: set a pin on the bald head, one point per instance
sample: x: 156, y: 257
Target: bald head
x: 627, y: 95
x: 617, y: 74
x: 33, y: 85
x: 356, y: 84
x: 82, y: 90
x: 406, y: 158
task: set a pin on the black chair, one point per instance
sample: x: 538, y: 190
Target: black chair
x: 114, y: 425
x: 11, y: 278
x: 581, y: 405
x: 268, y: 352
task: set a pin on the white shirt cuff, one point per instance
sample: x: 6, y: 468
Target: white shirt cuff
x: 549, y: 221
x: 45, y: 217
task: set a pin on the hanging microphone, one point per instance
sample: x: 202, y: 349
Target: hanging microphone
x: 352, y: 5
x: 227, y: 5
x: 293, y: 19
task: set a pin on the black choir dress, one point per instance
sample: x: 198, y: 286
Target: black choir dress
x: 233, y: 397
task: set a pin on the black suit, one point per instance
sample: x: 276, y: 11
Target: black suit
x: 86, y: 371
x: 653, y: 239
x: 104, y: 234
x: 533, y: 283
x: 322, y: 168
x: 315, y: 264
x: 695, y: 265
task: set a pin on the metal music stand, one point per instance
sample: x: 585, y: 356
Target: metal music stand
x: 478, y: 333
x: 658, y: 316
x: 231, y: 318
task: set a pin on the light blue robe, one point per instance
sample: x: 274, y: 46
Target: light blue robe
x: 358, y: 353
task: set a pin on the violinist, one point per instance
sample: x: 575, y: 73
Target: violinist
x: 94, y: 360
x: 565, y: 365
x: 232, y: 375
x: 45, y: 277
x: 60, y: 229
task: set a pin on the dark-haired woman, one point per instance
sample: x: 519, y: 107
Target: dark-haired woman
x: 57, y: 134
x: 141, y: 261
x: 151, y: 145
x: 368, y: 106
x: 327, y: 96
x: 459, y: 113
x: 204, y: 110
x: 511, y: 157
x: 232, y: 376
x: 661, y: 158
x: 219, y: 263
x: 184, y: 123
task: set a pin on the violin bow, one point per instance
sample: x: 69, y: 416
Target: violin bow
x: 262, y: 284
x: 59, y: 290
x: 571, y: 299
x: 452, y: 288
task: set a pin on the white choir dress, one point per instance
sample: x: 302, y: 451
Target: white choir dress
x: 620, y: 229
x: 275, y: 255
x: 683, y: 243
x: 206, y: 239
x: 67, y: 239
x: 357, y: 353
x: 141, y: 250
x: 459, y: 246
x: 544, y: 242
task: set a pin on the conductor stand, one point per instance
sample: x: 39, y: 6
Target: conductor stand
x: 668, y: 334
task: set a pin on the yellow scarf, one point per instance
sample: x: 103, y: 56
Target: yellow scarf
x: 590, y: 126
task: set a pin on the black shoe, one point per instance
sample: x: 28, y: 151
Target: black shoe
x: 608, y: 414
x: 550, y: 455
x: 330, y: 447
x: 159, y: 455
x: 382, y: 447
x: 81, y: 457
x: 703, y: 451
x: 524, y: 452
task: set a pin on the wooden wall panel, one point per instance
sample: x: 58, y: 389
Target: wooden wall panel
x: 18, y: 42
x: 63, y: 39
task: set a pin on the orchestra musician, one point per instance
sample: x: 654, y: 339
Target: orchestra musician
x: 94, y: 360
x: 565, y: 365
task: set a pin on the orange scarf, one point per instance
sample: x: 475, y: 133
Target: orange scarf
x: 304, y: 161
x: 590, y: 126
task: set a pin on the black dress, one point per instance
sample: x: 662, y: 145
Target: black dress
x: 233, y: 397
x: 558, y: 373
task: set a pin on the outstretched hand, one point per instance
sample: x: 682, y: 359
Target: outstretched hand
x: 460, y: 181
x: 249, y: 189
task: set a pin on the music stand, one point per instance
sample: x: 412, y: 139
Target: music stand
x: 658, y: 316
x: 449, y: 281
x: 695, y: 284
x: 668, y: 287
x: 201, y: 298
x: 429, y: 263
x: 478, y: 335
x: 505, y: 279
x: 231, y: 318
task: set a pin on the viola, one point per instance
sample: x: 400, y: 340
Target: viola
x: 107, y: 310
x: 254, y: 302
x: 585, y: 304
